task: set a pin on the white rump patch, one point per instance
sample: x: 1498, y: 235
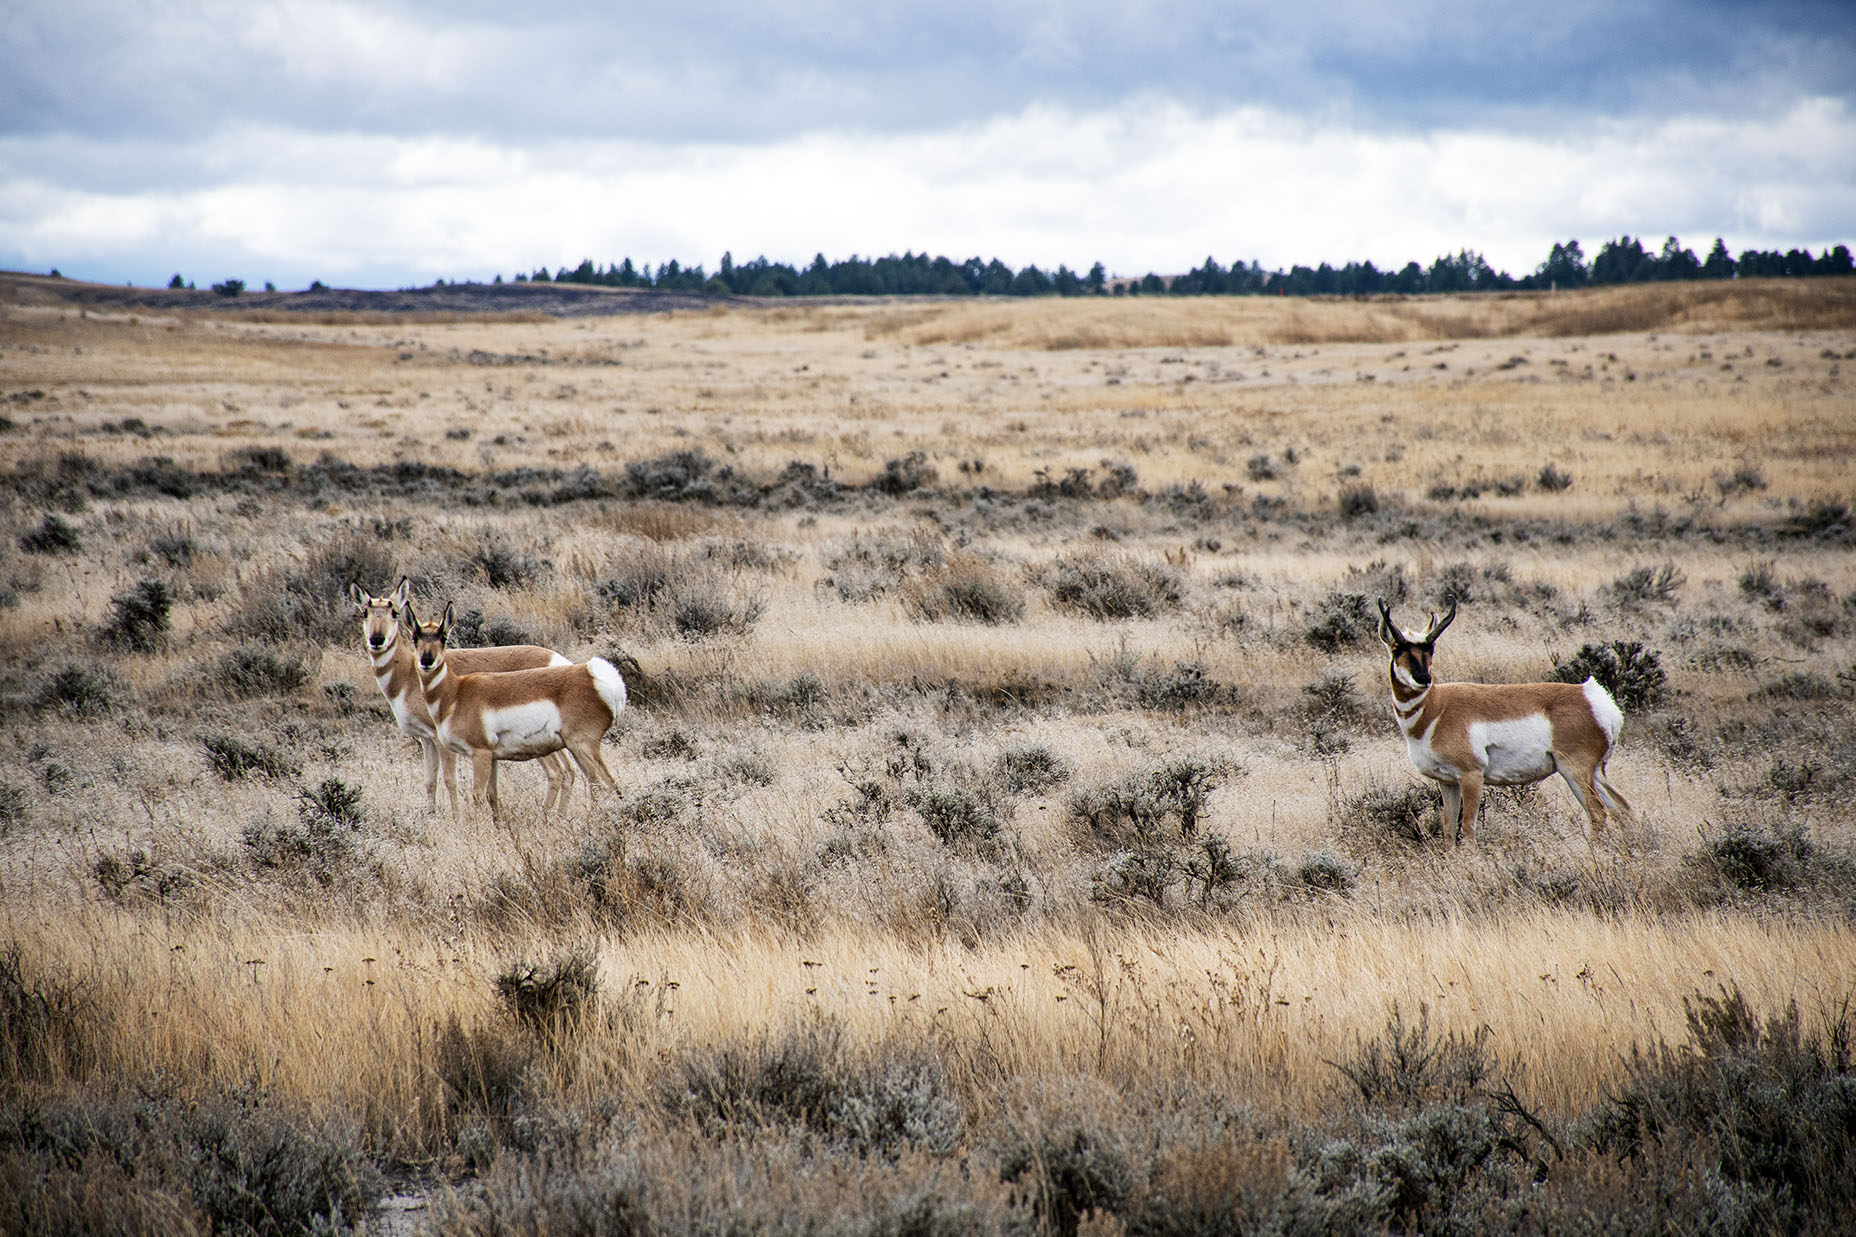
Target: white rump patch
x: 520, y: 730
x: 555, y: 659
x: 607, y: 681
x: 1515, y: 752
x: 1605, y: 710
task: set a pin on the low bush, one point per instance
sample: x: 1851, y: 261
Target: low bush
x: 488, y: 1074
x: 233, y: 758
x: 1137, y: 807
x: 228, y: 1162
x: 957, y: 815
x: 54, y: 535
x: 876, y: 1103
x: 1407, y: 1064
x: 1760, y: 582
x: 654, y: 589
x: 1115, y: 587
x: 1757, y: 859
x: 258, y: 670
x: 1031, y: 768
x: 1072, y: 1174
x: 332, y: 803
x: 1183, y: 685
x: 905, y: 475
x: 500, y: 566
x: 551, y: 998
x: 13, y: 800
x: 702, y: 610
x: 176, y: 547
x: 1761, y: 1109
x: 679, y: 476
x: 289, y: 605
x: 1552, y: 480
x: 1644, y: 585
x: 964, y: 587
x: 474, y: 630
x: 323, y: 843
x: 139, y: 617
x: 82, y: 690
x: 1631, y: 673
x: 1742, y: 480
x: 1342, y: 620
x: 1325, y: 871
x: 1380, y: 813
x: 51, y: 1025
x: 1356, y: 501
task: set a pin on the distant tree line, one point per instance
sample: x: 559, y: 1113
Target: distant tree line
x: 1624, y: 260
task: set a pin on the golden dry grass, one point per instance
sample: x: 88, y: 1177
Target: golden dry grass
x: 774, y: 903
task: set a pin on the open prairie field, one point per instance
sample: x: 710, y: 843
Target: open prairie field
x: 1014, y: 831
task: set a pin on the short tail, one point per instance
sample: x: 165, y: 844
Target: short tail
x: 607, y: 682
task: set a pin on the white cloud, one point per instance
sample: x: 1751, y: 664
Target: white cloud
x: 1146, y: 186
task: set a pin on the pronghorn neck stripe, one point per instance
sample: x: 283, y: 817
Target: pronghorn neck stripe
x: 383, y: 656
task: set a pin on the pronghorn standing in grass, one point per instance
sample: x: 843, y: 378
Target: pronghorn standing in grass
x: 517, y: 715
x: 399, y: 683
x: 1468, y: 735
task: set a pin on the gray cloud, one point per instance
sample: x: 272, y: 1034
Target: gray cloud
x: 387, y: 143
x: 718, y: 71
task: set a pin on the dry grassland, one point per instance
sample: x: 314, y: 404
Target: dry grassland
x: 1014, y: 832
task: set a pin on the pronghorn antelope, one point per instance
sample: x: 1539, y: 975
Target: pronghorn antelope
x: 519, y: 714
x: 1467, y: 735
x: 399, y: 683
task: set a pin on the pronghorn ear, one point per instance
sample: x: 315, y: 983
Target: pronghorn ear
x: 409, y: 619
x: 403, y: 594
x: 357, y: 595
x: 444, y: 624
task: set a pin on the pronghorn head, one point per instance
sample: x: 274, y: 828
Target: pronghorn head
x: 428, y: 645
x: 379, y: 615
x: 1411, y: 655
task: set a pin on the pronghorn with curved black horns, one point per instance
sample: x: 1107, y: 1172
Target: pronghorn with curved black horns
x: 519, y: 714
x: 1467, y: 735
x: 398, y: 679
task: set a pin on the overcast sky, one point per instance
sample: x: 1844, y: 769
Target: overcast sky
x: 388, y: 144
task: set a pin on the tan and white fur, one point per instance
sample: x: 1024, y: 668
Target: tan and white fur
x: 398, y: 680
x: 1465, y: 736
x: 518, y: 714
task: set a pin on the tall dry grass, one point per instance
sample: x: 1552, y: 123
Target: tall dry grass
x: 872, y: 842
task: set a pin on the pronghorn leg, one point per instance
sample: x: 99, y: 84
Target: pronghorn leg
x: 1453, y: 808
x: 448, y: 766
x: 559, y: 779
x: 1469, y: 785
x: 1579, y: 779
x: 1612, y: 799
x: 566, y: 766
x: 483, y: 780
x: 594, y: 766
x: 429, y: 749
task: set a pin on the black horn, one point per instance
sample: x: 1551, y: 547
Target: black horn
x: 1437, y: 625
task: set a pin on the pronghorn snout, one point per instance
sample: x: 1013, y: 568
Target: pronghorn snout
x: 377, y: 640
